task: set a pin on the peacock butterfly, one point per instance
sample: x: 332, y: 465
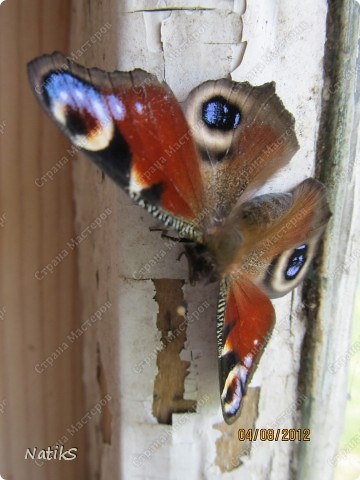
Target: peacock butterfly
x: 196, y: 169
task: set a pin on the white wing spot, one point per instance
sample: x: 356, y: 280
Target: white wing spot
x: 136, y: 184
x: 79, y: 94
x: 248, y: 360
x: 139, y: 107
x: 64, y: 96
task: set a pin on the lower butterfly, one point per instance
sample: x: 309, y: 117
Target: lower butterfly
x: 197, y: 170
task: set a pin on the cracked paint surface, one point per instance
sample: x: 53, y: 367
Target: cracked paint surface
x: 180, y: 36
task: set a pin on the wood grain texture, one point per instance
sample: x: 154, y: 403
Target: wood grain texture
x: 41, y: 400
x: 330, y: 299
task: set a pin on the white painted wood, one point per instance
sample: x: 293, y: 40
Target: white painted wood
x: 186, y: 43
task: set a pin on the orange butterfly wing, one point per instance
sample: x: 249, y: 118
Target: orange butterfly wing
x: 132, y: 127
x: 245, y: 320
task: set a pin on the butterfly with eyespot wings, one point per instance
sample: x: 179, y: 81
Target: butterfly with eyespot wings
x: 196, y: 170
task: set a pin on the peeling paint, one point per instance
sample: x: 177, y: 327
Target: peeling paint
x: 172, y: 370
x: 153, y: 29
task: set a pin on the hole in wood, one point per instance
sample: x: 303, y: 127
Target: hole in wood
x: 172, y: 371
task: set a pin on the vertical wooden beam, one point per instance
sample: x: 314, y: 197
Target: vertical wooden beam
x: 331, y: 300
x: 41, y: 381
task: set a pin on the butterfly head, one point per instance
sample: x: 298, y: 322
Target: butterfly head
x: 201, y: 263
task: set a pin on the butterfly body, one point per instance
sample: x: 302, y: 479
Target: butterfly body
x: 196, y: 169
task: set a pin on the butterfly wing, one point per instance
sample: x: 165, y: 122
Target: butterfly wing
x: 192, y: 178
x: 186, y: 172
x: 280, y: 234
x: 243, y: 135
x: 245, y: 320
x: 133, y: 128
x: 279, y: 237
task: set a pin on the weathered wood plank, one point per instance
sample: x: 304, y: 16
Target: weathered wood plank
x: 41, y: 400
x: 331, y: 300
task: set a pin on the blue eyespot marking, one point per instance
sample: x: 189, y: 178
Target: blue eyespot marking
x: 116, y: 106
x: 220, y: 114
x: 84, y: 107
x: 296, y: 262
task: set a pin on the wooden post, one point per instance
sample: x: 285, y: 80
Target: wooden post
x: 327, y: 346
x: 41, y: 377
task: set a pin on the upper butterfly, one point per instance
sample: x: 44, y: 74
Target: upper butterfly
x: 197, y: 172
